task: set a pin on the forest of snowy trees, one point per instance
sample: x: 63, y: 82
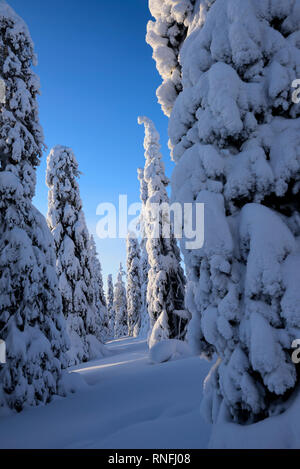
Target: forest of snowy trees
x: 54, y: 313
x: 227, y: 68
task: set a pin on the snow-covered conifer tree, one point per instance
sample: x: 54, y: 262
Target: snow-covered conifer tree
x: 166, y: 281
x: 98, y: 290
x: 134, y: 302
x: 120, y: 306
x: 235, y: 137
x: 144, y: 264
x: 166, y: 36
x: 110, y: 307
x: 31, y: 320
x: 21, y: 136
x: 75, y: 264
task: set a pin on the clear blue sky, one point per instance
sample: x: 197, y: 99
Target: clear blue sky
x: 97, y: 75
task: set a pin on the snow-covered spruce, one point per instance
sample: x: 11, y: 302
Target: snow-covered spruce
x: 21, y: 136
x: 110, y: 307
x: 235, y: 136
x: 75, y: 265
x: 166, y: 35
x: 144, y: 269
x: 144, y: 264
x: 97, y: 288
x: 31, y: 320
x: 134, y: 302
x: 120, y: 306
x: 166, y: 281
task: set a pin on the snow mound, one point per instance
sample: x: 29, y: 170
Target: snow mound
x: 277, y: 432
x: 72, y: 383
x: 167, y: 350
x: 96, y: 348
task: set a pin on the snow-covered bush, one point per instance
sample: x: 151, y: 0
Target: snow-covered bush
x: 134, y: 302
x: 166, y: 281
x: 235, y: 136
x: 120, y: 306
x: 31, y: 320
x: 167, y: 350
x: 76, y: 267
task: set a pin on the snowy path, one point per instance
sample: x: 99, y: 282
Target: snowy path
x: 128, y: 403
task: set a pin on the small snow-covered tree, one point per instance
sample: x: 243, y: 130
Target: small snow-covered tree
x: 98, y: 290
x: 144, y: 264
x: 110, y: 307
x: 134, y: 302
x: 235, y: 137
x: 31, y: 320
x: 166, y: 281
x: 120, y: 306
x: 75, y: 264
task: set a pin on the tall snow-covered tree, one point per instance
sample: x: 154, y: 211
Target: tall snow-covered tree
x: 166, y: 281
x: 75, y: 265
x: 235, y: 137
x: 166, y: 35
x: 120, y: 306
x: 134, y: 302
x: 98, y: 290
x: 144, y: 264
x: 110, y: 307
x: 21, y: 136
x: 31, y: 320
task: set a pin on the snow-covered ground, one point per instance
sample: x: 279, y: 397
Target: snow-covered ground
x: 127, y: 402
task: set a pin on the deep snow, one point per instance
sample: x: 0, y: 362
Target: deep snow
x: 127, y: 402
